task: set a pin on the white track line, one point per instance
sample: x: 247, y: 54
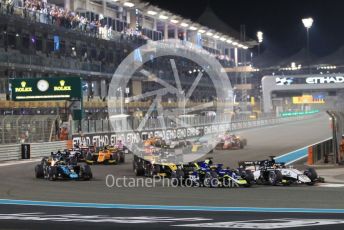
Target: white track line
x: 10, y: 163
x: 330, y: 185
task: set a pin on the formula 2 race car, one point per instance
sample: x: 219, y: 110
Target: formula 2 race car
x: 152, y: 164
x: 230, y: 141
x: 58, y: 166
x: 269, y: 172
x: 81, y: 151
x: 207, y: 174
x: 107, y: 155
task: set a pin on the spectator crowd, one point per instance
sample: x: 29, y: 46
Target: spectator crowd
x: 43, y: 12
x: 47, y: 13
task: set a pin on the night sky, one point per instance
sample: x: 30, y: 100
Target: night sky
x: 280, y: 21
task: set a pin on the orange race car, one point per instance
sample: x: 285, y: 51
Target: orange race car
x: 155, y: 141
x: 106, y: 155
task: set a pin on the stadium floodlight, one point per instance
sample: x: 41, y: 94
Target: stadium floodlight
x: 229, y: 41
x: 222, y: 38
x: 260, y: 40
x: 174, y: 21
x: 193, y: 28
x: 260, y: 36
x: 307, y: 22
x: 151, y: 12
x: 235, y: 43
x: 163, y: 17
x: 129, y: 4
x: 216, y: 36
x: 201, y: 31
x: 183, y: 24
x: 209, y: 34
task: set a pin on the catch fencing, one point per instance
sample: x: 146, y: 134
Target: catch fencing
x: 28, y: 128
x: 34, y: 150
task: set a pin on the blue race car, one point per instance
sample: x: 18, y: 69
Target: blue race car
x: 62, y: 166
x: 207, y: 174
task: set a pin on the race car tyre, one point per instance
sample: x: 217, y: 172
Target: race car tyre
x: 275, y: 177
x: 226, y: 182
x: 44, y: 160
x: 52, y: 173
x: 177, y: 177
x: 154, y: 170
x: 259, y: 181
x: 89, y: 156
x: 122, y: 158
x: 86, y: 172
x: 211, y: 180
x: 241, y: 145
x: 136, y: 161
x: 311, y: 173
x: 113, y: 157
x: 138, y: 169
x: 244, y: 142
x: 174, y: 179
x: 118, y: 158
x: 249, y: 176
x: 39, y: 173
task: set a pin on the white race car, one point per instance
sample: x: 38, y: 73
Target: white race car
x: 271, y: 173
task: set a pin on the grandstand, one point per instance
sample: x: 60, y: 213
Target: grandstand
x: 89, y: 39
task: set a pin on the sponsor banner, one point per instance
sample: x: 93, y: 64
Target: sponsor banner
x: 292, y: 80
x: 58, y: 88
x: 299, y: 113
x: 307, y: 99
x: 110, y: 138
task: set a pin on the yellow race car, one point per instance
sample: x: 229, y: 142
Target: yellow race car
x: 106, y: 155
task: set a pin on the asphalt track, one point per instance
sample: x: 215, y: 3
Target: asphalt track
x: 18, y: 183
x: 31, y: 217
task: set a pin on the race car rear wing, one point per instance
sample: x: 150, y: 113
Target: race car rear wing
x: 249, y: 163
x: 266, y: 163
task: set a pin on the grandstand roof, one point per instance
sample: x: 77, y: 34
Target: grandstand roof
x: 211, y: 20
x: 208, y: 19
x: 336, y: 58
x: 299, y: 58
x: 266, y: 59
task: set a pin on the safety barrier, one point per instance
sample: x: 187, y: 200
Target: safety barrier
x: 45, y: 148
x: 321, y: 152
x: 10, y: 152
x: 34, y: 150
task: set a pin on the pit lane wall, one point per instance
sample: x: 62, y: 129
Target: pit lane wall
x: 30, y: 150
x: 319, y: 153
x: 323, y: 153
x: 108, y: 138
